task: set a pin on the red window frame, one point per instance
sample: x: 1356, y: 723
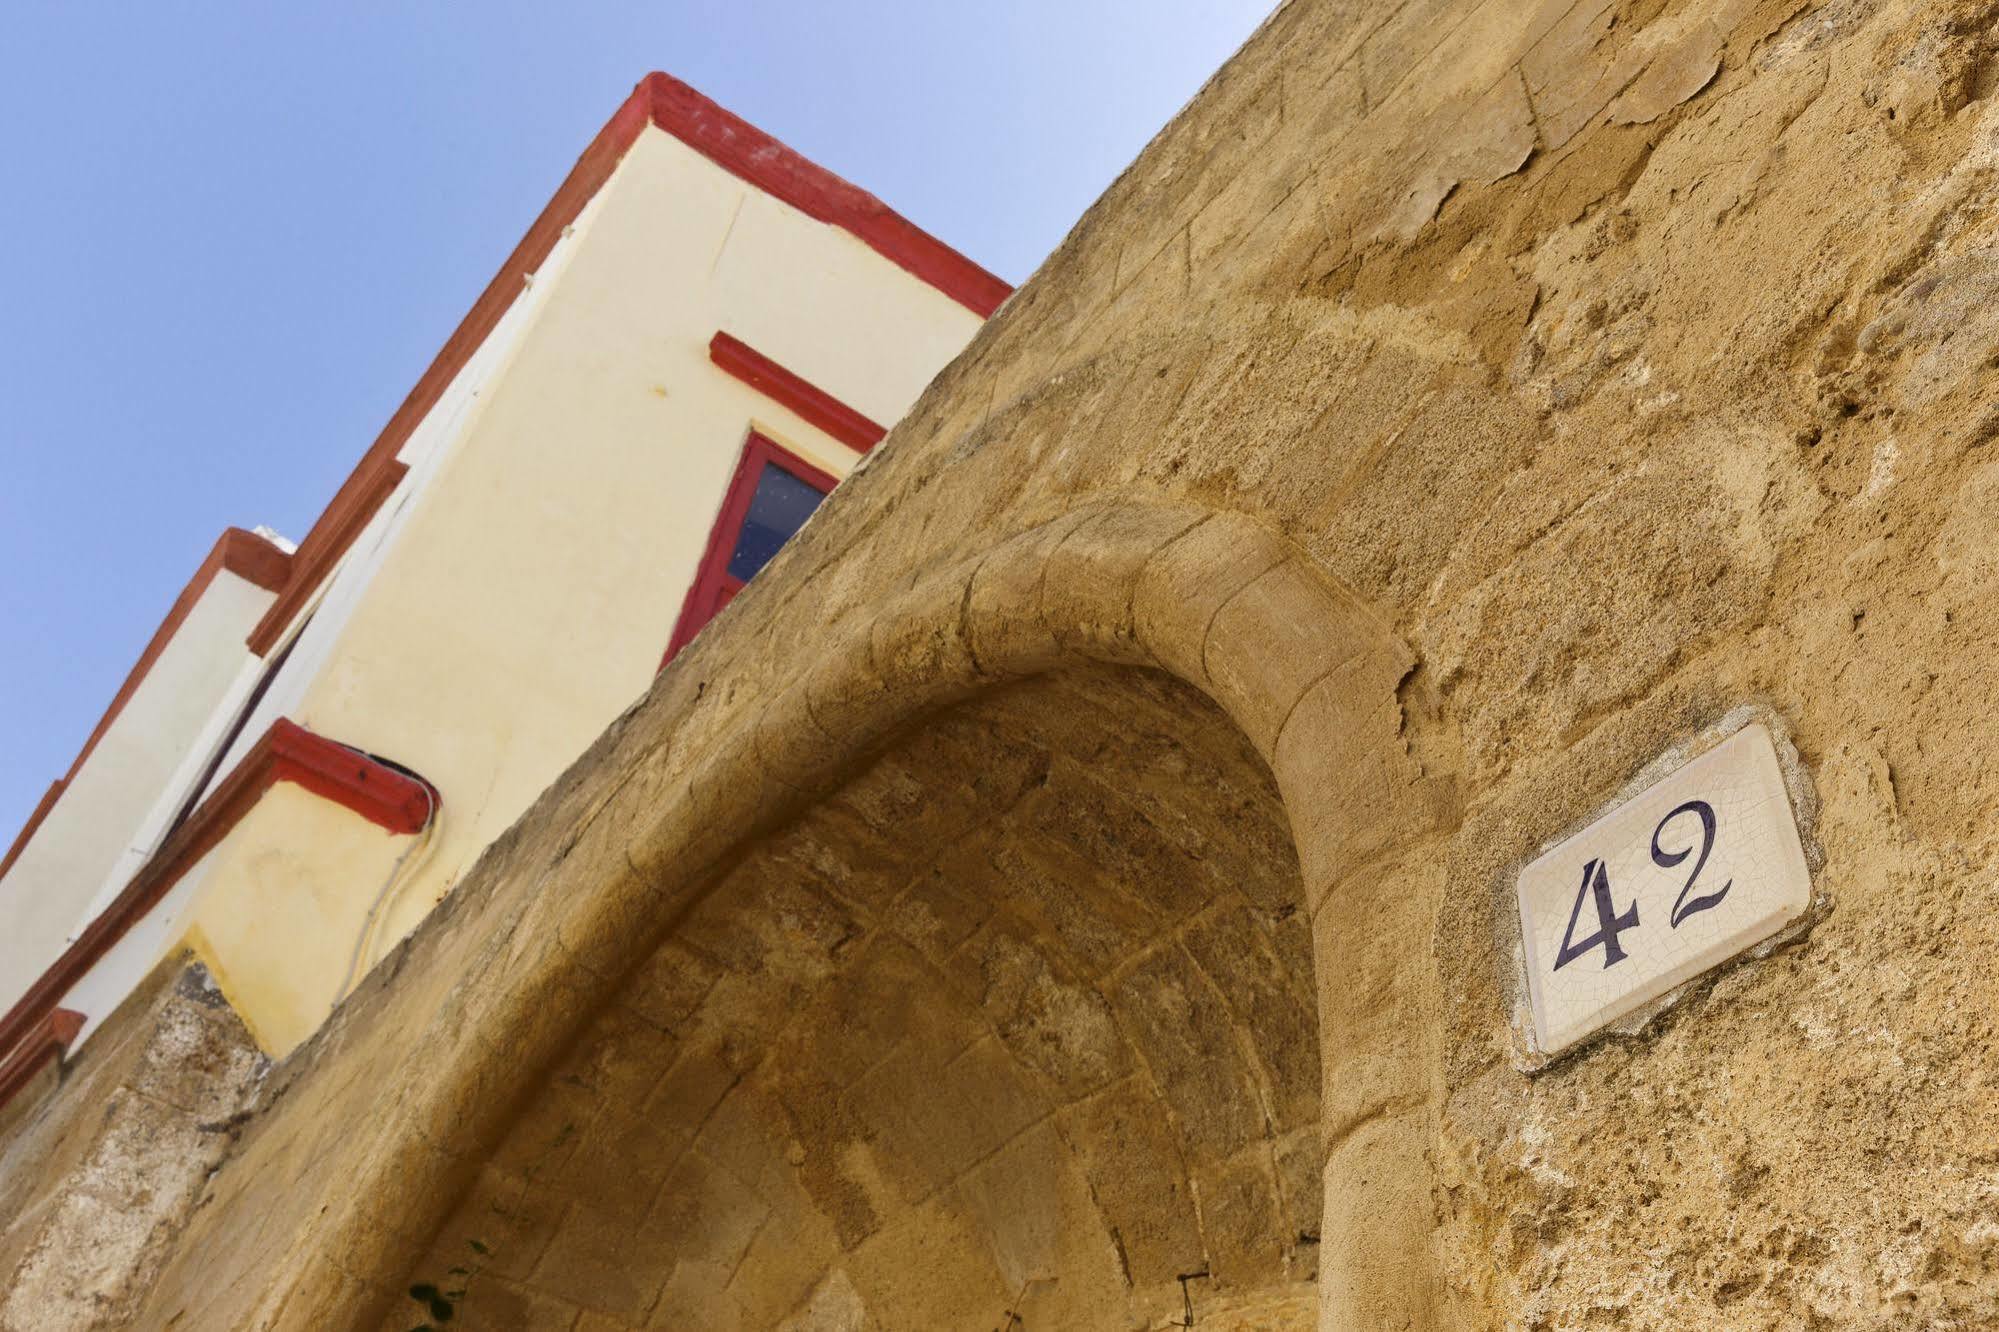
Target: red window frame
x: 714, y: 587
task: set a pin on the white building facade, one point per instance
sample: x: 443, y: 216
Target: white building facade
x: 701, y: 334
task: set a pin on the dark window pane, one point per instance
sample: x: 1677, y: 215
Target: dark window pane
x: 780, y: 507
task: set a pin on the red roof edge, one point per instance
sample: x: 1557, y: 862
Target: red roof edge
x: 734, y: 144
x: 242, y: 553
x: 287, y: 753
x: 378, y: 471
x: 717, y: 134
x: 815, y: 404
x: 50, y: 1039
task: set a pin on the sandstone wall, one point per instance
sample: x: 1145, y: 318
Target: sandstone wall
x: 1472, y: 400
x: 98, y: 1175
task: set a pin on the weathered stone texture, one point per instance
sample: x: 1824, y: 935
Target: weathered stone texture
x: 1009, y: 1023
x: 98, y: 1177
x: 1473, y: 400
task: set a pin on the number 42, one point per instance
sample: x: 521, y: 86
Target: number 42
x: 1610, y: 922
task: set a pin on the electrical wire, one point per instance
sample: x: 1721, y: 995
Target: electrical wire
x: 426, y: 837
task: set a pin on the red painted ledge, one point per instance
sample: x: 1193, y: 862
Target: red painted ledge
x: 739, y: 147
x: 48, y: 1041
x: 242, y: 553
x: 725, y: 139
x: 780, y: 385
x: 245, y: 554
x: 286, y: 753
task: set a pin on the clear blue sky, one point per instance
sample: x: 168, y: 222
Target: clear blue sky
x: 239, y: 232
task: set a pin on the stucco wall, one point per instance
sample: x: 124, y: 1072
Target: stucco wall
x: 72, y: 863
x: 518, y: 588
x: 284, y: 904
x: 1474, y: 402
x: 522, y: 592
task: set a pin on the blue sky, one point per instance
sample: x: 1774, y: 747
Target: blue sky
x: 239, y: 232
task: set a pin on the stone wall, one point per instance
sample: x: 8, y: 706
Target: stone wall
x: 1019, y: 1021
x: 1472, y: 401
x: 98, y: 1175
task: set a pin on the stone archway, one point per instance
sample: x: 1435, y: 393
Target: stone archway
x: 1017, y: 1022
x: 1200, y: 605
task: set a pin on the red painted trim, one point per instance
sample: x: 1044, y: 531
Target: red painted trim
x: 286, y: 753
x: 245, y: 554
x: 378, y: 471
x: 713, y: 587
x: 50, y: 1040
x: 810, y: 401
x: 723, y: 138
x: 737, y: 146
x: 242, y: 553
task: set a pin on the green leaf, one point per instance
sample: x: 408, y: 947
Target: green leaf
x: 423, y: 1292
x: 441, y: 1310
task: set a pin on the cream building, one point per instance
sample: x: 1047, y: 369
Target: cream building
x: 696, y: 339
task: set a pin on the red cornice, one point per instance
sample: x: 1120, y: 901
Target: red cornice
x: 810, y: 401
x: 352, y: 507
x: 725, y: 139
x: 378, y: 471
x: 286, y: 753
x: 49, y: 1040
x: 737, y: 146
x: 242, y: 553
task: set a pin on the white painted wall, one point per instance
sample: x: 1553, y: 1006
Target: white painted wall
x: 99, y: 814
x: 316, y: 629
x: 534, y: 590
x: 518, y: 589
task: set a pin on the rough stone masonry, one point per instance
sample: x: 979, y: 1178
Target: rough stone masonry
x: 1099, y: 913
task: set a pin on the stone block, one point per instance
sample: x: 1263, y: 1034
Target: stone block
x: 1052, y: 1020
x: 670, y: 984
x: 1188, y: 1040
x: 1182, y: 587
x: 1274, y: 639
x: 1090, y: 578
x: 601, y: 1260
x: 930, y: 1120
x: 704, y: 1214
x: 1278, y: 1022
x: 1003, y: 611
x: 1131, y: 1156
x: 1243, y: 1221
x: 1350, y: 785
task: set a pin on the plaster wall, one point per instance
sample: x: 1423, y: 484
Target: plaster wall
x: 530, y: 596
x: 286, y: 900
x: 47, y: 892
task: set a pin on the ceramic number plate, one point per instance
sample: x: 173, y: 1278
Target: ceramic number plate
x: 1683, y: 876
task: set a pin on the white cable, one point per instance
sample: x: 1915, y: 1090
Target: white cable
x: 368, y: 924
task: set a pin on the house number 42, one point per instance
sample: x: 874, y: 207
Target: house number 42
x: 1675, y: 878
x: 1611, y: 922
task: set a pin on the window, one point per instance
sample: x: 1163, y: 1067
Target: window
x: 771, y: 496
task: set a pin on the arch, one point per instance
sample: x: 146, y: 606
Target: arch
x: 1306, y: 672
